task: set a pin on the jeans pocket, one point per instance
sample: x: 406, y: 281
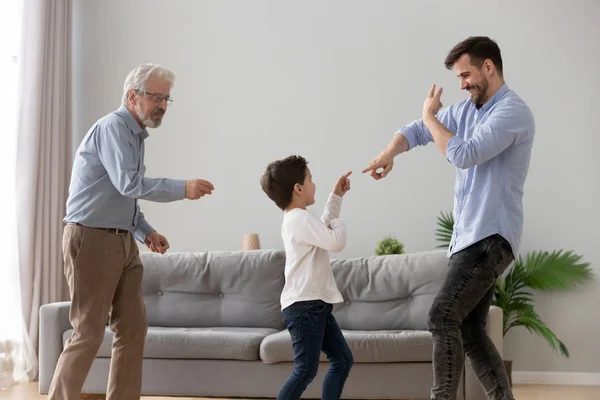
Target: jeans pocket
x: 317, y: 307
x: 295, y: 326
x: 505, y: 257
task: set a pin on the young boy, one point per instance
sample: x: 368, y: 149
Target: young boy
x: 310, y: 289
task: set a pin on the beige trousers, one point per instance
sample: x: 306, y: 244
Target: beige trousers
x: 104, y: 273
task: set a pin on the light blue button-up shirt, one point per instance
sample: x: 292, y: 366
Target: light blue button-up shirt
x: 108, y: 177
x: 491, y: 151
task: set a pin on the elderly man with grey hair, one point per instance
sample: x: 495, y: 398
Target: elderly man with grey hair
x: 103, y: 222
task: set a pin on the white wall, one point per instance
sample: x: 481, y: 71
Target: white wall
x: 332, y: 81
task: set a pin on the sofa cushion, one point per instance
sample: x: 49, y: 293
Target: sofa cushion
x: 366, y: 346
x: 391, y: 292
x: 193, y: 343
x: 214, y: 289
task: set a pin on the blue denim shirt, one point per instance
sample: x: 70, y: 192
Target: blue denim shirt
x: 108, y: 177
x: 491, y: 151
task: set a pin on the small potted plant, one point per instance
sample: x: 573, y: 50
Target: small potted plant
x: 389, y: 245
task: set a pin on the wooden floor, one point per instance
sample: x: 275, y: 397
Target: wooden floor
x: 522, y: 392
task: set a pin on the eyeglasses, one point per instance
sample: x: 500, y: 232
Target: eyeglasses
x: 157, y: 97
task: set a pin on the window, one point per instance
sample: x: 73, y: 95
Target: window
x: 10, y: 33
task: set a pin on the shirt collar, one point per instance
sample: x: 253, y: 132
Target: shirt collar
x: 495, y: 98
x: 131, y: 123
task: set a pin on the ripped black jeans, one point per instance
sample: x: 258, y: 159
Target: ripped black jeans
x: 457, y: 320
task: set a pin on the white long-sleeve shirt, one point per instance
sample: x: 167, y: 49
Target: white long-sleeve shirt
x: 308, y: 241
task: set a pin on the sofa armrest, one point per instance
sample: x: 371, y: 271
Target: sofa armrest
x: 54, y: 321
x: 473, y: 389
x: 495, y: 327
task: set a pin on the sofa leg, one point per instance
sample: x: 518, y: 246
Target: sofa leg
x: 508, y: 366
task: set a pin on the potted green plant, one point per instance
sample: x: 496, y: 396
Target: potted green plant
x: 539, y: 270
x: 389, y: 245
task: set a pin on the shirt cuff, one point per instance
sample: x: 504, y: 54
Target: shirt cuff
x: 409, y: 135
x: 335, y: 197
x: 451, y: 148
x: 178, y: 188
x: 142, y: 231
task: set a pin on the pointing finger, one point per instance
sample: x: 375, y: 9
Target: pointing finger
x: 370, y: 168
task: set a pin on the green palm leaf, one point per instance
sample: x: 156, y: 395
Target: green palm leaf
x: 529, y: 319
x: 553, y: 271
x: 445, y: 228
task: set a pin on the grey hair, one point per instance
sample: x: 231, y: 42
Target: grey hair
x: 136, y: 80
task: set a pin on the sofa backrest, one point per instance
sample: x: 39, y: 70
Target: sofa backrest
x: 389, y: 292
x: 214, y: 289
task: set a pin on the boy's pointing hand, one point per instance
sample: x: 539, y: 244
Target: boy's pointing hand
x: 342, y: 185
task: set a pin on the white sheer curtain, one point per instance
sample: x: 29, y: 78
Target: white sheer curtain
x: 17, y: 356
x: 35, y: 159
x: 43, y: 154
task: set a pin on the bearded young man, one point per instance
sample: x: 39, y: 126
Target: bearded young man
x: 488, y: 138
x: 103, y: 222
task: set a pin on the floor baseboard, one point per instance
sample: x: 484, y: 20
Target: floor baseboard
x: 556, y: 378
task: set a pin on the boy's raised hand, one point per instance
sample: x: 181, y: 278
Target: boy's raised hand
x: 342, y: 185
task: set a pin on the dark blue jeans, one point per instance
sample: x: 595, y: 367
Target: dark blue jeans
x: 458, y: 316
x: 313, y: 329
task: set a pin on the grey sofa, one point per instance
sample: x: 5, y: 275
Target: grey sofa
x: 215, y: 327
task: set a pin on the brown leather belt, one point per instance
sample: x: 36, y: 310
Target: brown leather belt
x: 114, y: 231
